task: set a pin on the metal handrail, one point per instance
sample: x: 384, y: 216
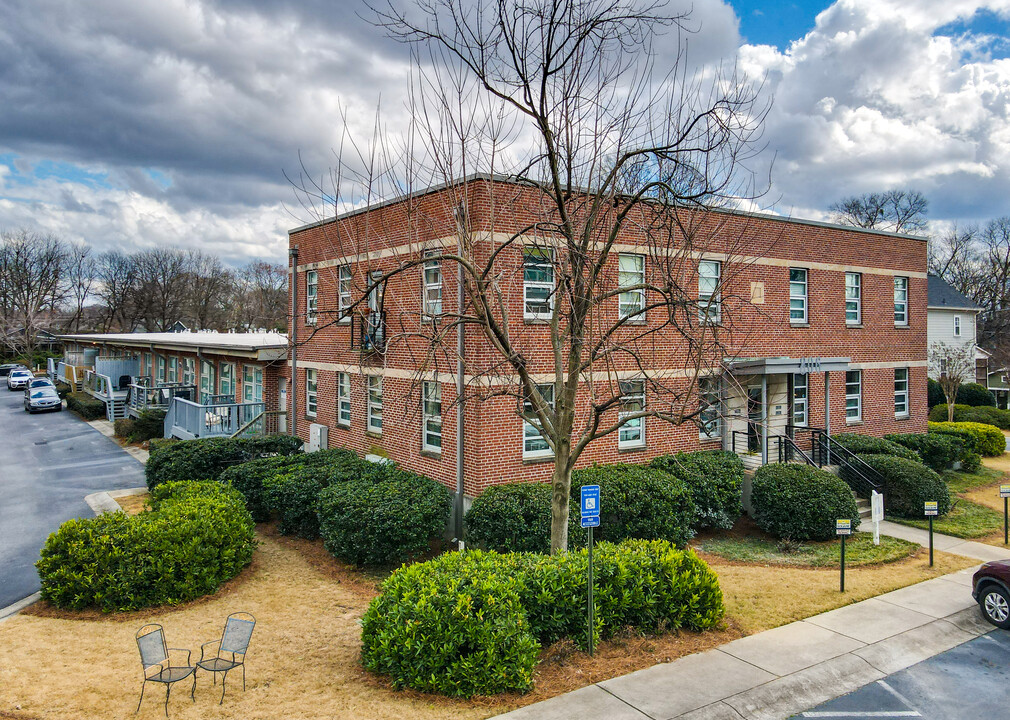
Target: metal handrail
x: 144, y: 396
x: 853, y: 469
x: 787, y: 449
x: 264, y: 417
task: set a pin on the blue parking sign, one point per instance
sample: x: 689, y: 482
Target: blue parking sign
x: 590, y: 501
x: 589, y: 521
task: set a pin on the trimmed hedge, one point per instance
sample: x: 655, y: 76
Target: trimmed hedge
x: 63, y: 389
x: 195, y: 537
x: 515, y: 517
x: 909, y: 485
x: 149, y: 424
x: 799, y: 502
x: 207, y: 458
x: 473, y: 623
x: 986, y: 440
x: 292, y: 495
x: 938, y: 452
x: 974, y: 394
x: 869, y: 445
x: 385, y: 518
x: 966, y: 413
x: 715, y: 479
x: 123, y: 427
x: 88, y: 407
x: 639, y: 501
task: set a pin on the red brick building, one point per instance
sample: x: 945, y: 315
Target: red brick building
x: 822, y: 327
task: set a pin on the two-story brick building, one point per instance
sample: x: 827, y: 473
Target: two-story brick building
x: 822, y: 327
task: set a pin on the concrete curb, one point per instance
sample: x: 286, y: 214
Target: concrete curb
x: 12, y: 610
x: 105, y: 502
x: 107, y: 429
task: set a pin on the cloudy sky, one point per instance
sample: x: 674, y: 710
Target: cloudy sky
x: 139, y: 123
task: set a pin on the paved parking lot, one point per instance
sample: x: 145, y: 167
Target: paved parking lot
x: 968, y: 682
x: 48, y: 463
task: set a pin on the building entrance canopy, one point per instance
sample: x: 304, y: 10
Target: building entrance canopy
x: 777, y: 365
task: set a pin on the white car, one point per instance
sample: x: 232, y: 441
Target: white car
x: 19, y: 379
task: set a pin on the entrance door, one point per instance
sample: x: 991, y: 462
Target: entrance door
x: 755, y: 411
x: 282, y: 401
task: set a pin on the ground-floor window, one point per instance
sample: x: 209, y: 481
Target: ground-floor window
x: 208, y: 379
x: 900, y: 392
x: 343, y: 399
x: 173, y: 369
x: 535, y: 444
x: 432, y: 410
x: 188, y: 371
x: 710, y: 415
x: 375, y: 403
x: 252, y: 383
x: 311, y: 393
x: 161, y: 370
x: 632, y: 433
x: 800, y: 394
x: 853, y: 396
x: 227, y: 379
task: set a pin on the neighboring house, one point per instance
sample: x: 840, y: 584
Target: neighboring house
x: 823, y: 317
x: 997, y: 382
x: 223, y: 380
x: 953, y: 320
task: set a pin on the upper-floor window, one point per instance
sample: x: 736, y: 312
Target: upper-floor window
x: 709, y: 301
x: 538, y: 283
x: 853, y: 298
x: 901, y: 301
x: 900, y: 392
x: 631, y: 275
x: 344, y: 291
x: 797, y: 295
x: 801, y: 386
x: 853, y: 396
x: 432, y: 291
x: 432, y: 412
x: 710, y: 399
x: 632, y: 433
x: 311, y: 392
x: 311, y: 292
x: 375, y: 403
x: 957, y: 326
x: 535, y: 444
x: 343, y: 399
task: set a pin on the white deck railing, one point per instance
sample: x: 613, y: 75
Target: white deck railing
x: 189, y: 420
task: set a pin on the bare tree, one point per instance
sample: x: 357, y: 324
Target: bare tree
x: 116, y: 281
x: 209, y: 291
x: 951, y: 365
x: 162, y: 287
x: 599, y: 149
x: 80, y: 279
x: 901, y: 211
x: 261, y: 296
x: 33, y: 268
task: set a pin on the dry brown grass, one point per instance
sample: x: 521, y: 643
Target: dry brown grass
x: 133, y: 504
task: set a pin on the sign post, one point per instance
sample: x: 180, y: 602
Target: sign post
x: 843, y: 527
x: 590, y: 519
x: 931, y: 512
x: 876, y: 514
x: 1004, y: 492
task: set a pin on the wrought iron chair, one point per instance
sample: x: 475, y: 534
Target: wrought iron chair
x: 155, y: 655
x: 234, y: 642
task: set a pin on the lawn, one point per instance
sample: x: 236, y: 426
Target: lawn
x: 977, y: 510
x: 859, y: 550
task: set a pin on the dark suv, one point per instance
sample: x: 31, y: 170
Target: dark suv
x: 991, y: 589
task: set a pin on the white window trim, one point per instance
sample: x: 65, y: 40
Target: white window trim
x: 805, y: 401
x: 344, y: 279
x: 221, y: 378
x: 903, y: 394
x: 311, y: 392
x: 161, y: 368
x: 311, y: 296
x: 957, y: 326
x: 529, y: 284
x: 638, y: 315
x: 640, y: 442
x: 805, y: 297
x: 374, y: 408
x: 172, y: 372
x: 426, y: 417
x: 719, y: 422
x: 903, y: 322
x: 548, y: 451
x: 714, y: 301
x: 343, y: 399
x: 858, y: 300
x: 858, y: 395
x: 250, y: 384
x: 432, y: 259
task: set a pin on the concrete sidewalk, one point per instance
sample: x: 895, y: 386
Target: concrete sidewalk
x: 947, y: 543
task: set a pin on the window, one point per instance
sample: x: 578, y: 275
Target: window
x: 534, y: 444
x: 538, y: 283
x: 311, y: 290
x: 173, y: 370
x: 227, y: 385
x: 797, y: 295
x: 632, y: 433
x: 146, y: 368
x: 853, y: 396
x: 432, y: 410
x: 801, y: 386
x: 161, y: 369
x: 208, y: 378
x: 901, y: 301
x: 900, y: 392
x: 957, y: 326
x: 344, y: 292
x: 631, y: 272
x: 709, y: 272
x: 311, y: 392
x: 432, y: 291
x: 710, y: 398
x: 343, y: 399
x: 375, y: 403
x: 853, y: 298
x: 252, y: 383
x: 188, y: 371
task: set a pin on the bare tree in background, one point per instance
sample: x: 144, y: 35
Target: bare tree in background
x: 951, y: 365
x: 261, y: 297
x: 902, y: 211
x: 161, y: 290
x: 598, y: 145
x: 33, y: 270
x: 81, y: 271
x: 209, y: 291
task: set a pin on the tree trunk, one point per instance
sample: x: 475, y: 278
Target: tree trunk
x: 561, y: 483
x: 950, y: 408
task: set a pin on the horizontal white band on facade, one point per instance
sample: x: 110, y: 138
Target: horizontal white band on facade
x: 888, y: 365
x: 499, y: 238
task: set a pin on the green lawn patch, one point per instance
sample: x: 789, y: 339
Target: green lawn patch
x: 960, y: 482
x: 859, y: 550
x: 965, y: 520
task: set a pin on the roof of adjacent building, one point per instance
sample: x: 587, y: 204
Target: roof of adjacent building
x: 264, y: 345
x: 942, y: 295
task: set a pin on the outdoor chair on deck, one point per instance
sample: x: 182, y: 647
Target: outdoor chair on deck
x: 158, y: 667
x: 231, y: 649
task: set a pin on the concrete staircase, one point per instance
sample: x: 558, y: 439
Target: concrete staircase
x: 864, y: 507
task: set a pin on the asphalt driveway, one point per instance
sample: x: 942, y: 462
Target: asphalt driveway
x: 48, y: 463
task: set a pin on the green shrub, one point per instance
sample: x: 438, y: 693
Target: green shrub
x: 386, y: 518
x: 800, y: 502
x: 986, y: 440
x: 123, y: 427
x: 939, y: 412
x: 515, y: 517
x: 934, y: 393
x: 908, y: 485
x: 971, y: 462
x: 88, y: 407
x: 207, y: 458
x: 638, y: 501
x: 938, y: 452
x: 293, y: 494
x: 418, y: 630
x: 715, y: 479
x: 63, y: 389
x: 195, y: 537
x: 869, y: 445
x: 966, y: 413
x: 149, y: 424
x: 975, y: 395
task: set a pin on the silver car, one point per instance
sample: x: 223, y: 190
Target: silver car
x: 19, y: 379
x: 42, y: 398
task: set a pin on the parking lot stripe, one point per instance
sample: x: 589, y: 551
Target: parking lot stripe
x: 861, y: 714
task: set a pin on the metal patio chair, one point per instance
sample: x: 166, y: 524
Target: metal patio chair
x: 234, y: 643
x: 155, y: 656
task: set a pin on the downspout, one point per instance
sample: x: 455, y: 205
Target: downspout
x: 460, y: 347
x: 293, y: 332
